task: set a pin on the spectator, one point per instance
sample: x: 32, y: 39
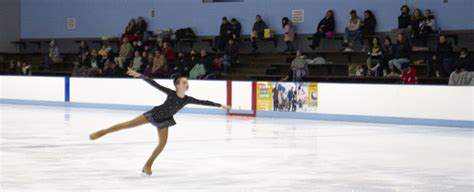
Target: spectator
x: 235, y: 29
x: 25, y: 68
x: 193, y: 60
x: 131, y: 27
x: 416, y: 21
x: 289, y: 34
x: 352, y: 32
x: 125, y: 54
x: 95, y: 61
x: 368, y: 26
x: 374, y: 61
x: 79, y: 70
x: 19, y: 67
x: 298, y: 69
x: 325, y: 29
x: 85, y: 59
x: 142, y: 27
x: 408, y: 75
x: 466, y: 60
x: 104, y: 53
x: 401, y: 54
x: 159, y: 67
x: 443, y: 60
x: 112, y: 70
x: 53, y: 55
x: 83, y: 48
x: 428, y: 25
x: 258, y: 30
x: 387, y: 55
x: 12, y: 69
x: 206, y: 60
x: 144, y: 57
x: 182, y: 65
x: 169, y: 53
x: 404, y: 21
x: 225, y: 33
x: 137, y: 64
x: 230, y: 55
x: 461, y: 77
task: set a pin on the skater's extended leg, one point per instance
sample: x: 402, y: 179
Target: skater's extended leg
x: 137, y: 121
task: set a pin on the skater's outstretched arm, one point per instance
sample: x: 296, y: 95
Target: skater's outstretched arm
x: 153, y: 83
x: 192, y: 100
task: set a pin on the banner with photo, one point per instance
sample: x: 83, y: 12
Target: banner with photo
x: 287, y: 96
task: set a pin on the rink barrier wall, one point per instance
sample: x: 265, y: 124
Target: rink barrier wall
x: 46, y: 91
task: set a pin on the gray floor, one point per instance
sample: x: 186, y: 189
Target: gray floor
x: 47, y: 149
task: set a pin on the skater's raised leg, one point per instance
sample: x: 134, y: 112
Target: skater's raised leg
x: 137, y: 121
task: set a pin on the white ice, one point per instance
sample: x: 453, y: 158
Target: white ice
x: 47, y: 149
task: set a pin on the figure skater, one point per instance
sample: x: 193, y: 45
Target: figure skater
x: 160, y: 116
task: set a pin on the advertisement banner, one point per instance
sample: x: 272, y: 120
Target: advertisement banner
x: 287, y: 96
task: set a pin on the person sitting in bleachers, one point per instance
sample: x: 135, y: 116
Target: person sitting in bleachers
x: 125, y: 54
x: 461, y: 77
x: 374, y: 60
x: 298, y: 68
x: 416, y: 20
x: 235, y: 29
x: 369, y: 24
x: 231, y: 53
x: 325, y: 29
x: 443, y: 60
x: 466, y: 60
x: 225, y: 33
x: 409, y: 75
x: 258, y: 30
x: 353, y: 32
x: 401, y: 54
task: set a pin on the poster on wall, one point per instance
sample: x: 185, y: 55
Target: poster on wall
x: 287, y: 96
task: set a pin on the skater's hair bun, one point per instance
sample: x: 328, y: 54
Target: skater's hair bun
x: 177, y: 78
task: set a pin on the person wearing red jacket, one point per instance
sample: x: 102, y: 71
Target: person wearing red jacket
x: 409, y: 75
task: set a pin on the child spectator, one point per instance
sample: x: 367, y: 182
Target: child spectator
x: 374, y: 61
x: 352, y: 32
x: 137, y: 64
x: 325, y: 29
x: 258, y: 30
x: 289, y: 34
x: 408, y: 75
x: 401, y: 54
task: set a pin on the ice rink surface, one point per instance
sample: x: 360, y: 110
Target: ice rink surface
x: 47, y: 149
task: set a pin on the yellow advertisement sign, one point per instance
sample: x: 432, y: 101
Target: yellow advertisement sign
x: 264, y: 96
